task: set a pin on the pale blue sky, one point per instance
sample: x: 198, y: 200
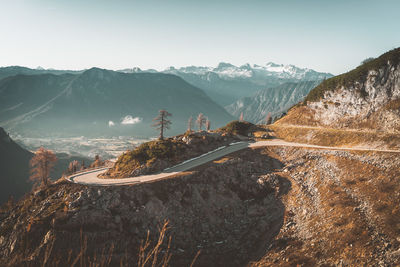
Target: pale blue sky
x: 331, y: 36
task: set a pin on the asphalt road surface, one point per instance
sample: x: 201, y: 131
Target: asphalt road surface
x: 90, y: 177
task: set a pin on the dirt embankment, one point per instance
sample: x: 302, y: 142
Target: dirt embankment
x: 323, y: 136
x: 343, y: 208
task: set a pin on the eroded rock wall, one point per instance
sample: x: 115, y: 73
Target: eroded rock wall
x: 363, y: 104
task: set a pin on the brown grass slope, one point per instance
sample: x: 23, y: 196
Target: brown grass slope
x: 342, y: 209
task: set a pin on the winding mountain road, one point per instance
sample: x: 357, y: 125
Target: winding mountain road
x: 90, y: 177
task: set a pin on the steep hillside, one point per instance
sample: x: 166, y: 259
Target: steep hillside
x: 100, y: 102
x: 274, y: 100
x: 14, y: 167
x: 367, y: 97
x: 342, y: 209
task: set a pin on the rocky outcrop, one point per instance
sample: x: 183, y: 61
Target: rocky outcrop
x: 230, y: 210
x: 366, y: 97
x: 349, y: 108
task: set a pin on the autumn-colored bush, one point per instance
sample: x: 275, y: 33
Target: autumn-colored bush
x: 237, y: 127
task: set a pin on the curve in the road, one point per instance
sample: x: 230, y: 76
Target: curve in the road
x: 91, y: 177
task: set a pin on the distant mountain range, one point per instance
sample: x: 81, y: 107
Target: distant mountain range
x: 227, y: 83
x: 99, y: 102
x: 15, y: 70
x: 276, y: 101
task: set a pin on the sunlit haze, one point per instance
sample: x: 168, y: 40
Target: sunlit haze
x: 329, y: 36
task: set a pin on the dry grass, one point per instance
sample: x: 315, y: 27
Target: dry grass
x: 261, y: 135
x: 222, y: 160
x: 393, y: 105
x: 150, y: 254
x: 299, y: 115
x: 335, y: 137
x: 303, y: 115
x: 331, y: 225
x: 379, y: 191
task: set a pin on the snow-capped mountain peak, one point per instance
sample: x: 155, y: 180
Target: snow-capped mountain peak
x: 132, y: 70
x: 195, y: 69
x: 224, y: 65
x: 229, y: 71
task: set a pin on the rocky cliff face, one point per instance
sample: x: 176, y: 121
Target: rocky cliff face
x: 367, y: 97
x: 348, y: 107
x: 230, y: 210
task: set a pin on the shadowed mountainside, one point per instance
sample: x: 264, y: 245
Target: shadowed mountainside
x: 14, y: 167
x: 276, y: 101
x: 95, y: 103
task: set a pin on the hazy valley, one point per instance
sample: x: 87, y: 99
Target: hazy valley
x: 199, y: 133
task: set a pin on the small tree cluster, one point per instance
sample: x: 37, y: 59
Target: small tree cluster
x: 367, y: 60
x: 97, y: 162
x: 73, y: 166
x: 201, y: 120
